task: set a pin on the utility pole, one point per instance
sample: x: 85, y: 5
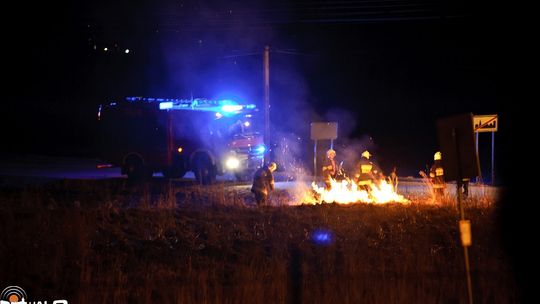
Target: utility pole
x: 266, y: 64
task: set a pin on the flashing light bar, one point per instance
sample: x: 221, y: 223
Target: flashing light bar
x: 165, y: 105
x: 225, y: 106
x: 231, y: 108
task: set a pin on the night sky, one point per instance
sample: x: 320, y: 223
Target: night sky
x: 385, y: 69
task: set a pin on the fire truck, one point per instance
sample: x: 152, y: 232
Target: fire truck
x: 145, y: 135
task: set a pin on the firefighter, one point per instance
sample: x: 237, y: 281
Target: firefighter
x: 329, y: 169
x: 263, y: 183
x: 465, y: 183
x: 393, y: 179
x: 365, y: 172
x: 436, y: 173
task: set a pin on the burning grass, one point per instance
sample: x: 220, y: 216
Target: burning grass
x: 115, y: 242
x: 347, y: 192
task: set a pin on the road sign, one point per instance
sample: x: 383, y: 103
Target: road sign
x: 485, y: 123
x: 456, y: 141
x: 324, y: 130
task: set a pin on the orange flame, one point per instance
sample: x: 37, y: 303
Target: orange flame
x: 346, y: 192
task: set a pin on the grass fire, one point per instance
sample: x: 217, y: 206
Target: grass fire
x: 347, y: 192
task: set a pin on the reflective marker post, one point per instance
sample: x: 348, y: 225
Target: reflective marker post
x: 460, y: 160
x: 464, y: 225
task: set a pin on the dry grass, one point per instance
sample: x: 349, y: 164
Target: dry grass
x: 116, y: 242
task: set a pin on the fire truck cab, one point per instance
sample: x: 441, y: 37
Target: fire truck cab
x: 173, y: 136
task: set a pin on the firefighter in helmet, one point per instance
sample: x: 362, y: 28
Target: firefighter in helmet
x: 436, y: 173
x: 329, y: 169
x: 263, y: 183
x: 365, y: 172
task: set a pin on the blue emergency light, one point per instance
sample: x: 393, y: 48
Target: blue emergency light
x: 260, y: 149
x: 231, y: 108
x: 165, y: 105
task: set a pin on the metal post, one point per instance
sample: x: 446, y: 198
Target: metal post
x: 479, y: 177
x: 332, y: 144
x: 315, y: 161
x: 492, y: 158
x: 459, y: 183
x: 477, y: 133
x: 266, y: 63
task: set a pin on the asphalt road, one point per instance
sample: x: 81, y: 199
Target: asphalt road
x: 38, y: 167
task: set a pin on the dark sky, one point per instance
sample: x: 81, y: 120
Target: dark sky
x: 390, y: 68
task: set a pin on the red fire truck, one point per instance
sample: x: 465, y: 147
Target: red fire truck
x: 209, y: 137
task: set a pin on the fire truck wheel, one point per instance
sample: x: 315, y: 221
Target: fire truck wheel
x: 135, y: 168
x: 205, y: 172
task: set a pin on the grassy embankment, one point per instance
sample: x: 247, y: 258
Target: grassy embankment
x: 116, y: 242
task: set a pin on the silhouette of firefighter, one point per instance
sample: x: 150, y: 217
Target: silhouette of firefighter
x: 436, y: 174
x: 329, y: 169
x: 366, y: 172
x: 263, y: 183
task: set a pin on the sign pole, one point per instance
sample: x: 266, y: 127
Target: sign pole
x: 464, y: 225
x: 492, y: 158
x: 266, y: 64
x: 315, y: 161
x: 322, y: 131
x: 456, y: 140
x: 479, y: 177
x: 486, y: 123
x: 477, y: 133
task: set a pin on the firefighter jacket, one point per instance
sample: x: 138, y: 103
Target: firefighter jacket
x: 437, y: 174
x: 364, y: 172
x: 263, y: 181
x: 329, y: 169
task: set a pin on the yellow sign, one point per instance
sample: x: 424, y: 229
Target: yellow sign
x: 485, y: 123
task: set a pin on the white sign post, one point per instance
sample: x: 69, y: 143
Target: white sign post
x: 487, y: 123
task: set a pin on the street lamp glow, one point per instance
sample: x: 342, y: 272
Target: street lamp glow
x: 127, y: 51
x: 105, y: 49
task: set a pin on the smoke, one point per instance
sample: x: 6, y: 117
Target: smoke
x: 346, y: 121
x: 218, y: 51
x: 215, y: 49
x: 349, y: 151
